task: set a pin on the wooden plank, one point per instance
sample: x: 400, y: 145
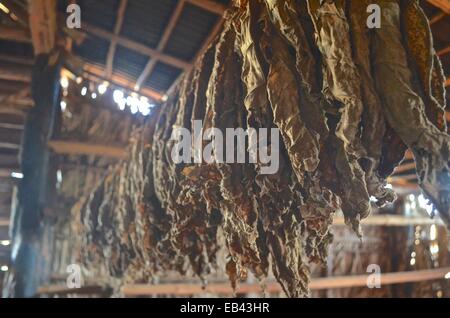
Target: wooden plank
x: 137, y: 290
x: 113, y: 44
x: 80, y: 148
x: 162, y: 43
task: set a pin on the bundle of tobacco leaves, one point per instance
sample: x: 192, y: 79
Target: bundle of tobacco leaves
x: 348, y: 101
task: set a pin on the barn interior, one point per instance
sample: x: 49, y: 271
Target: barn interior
x: 92, y: 204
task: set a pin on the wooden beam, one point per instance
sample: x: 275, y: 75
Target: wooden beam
x: 79, y: 148
x: 15, y: 34
x: 11, y: 126
x: 9, y: 146
x: 16, y: 59
x: 438, y: 17
x: 209, y: 5
x: 58, y: 290
x: 42, y: 15
x: 392, y: 220
x: 444, y: 5
x: 4, y: 222
x: 95, y: 73
x: 405, y: 167
x: 444, y: 51
x: 135, y: 46
x: 273, y: 287
x: 16, y: 73
x: 162, y: 43
x: 113, y: 44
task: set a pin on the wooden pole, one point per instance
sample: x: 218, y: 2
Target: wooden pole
x: 273, y: 287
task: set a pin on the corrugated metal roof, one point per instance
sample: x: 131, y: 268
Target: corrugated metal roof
x: 128, y: 62
x: 145, y: 20
x: 93, y: 50
x: 192, y: 29
x: 162, y: 77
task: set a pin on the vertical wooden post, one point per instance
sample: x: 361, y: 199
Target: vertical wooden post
x: 35, y: 156
x: 34, y: 159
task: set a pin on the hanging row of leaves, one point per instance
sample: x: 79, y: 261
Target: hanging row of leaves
x: 348, y: 101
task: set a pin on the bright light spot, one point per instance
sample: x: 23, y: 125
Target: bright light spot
x: 64, y: 82
x: 373, y: 199
x: 59, y: 176
x: 134, y: 109
x: 389, y: 186
x: 4, y: 268
x: 63, y: 105
x: 129, y: 100
x: 447, y: 276
x: 118, y: 96
x: 424, y: 204
x: 413, y: 254
x: 412, y: 197
x: 165, y: 98
x: 94, y: 95
x: 3, y: 8
x: 84, y: 91
x: 5, y: 243
x: 417, y: 242
x: 122, y: 104
x: 102, y: 88
x: 433, y: 232
x: 17, y: 175
x: 434, y: 248
x: 79, y: 80
x: 144, y: 106
x: 413, y: 261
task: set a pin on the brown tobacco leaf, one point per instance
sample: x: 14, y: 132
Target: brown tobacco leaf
x: 406, y: 111
x: 347, y: 100
x: 419, y: 42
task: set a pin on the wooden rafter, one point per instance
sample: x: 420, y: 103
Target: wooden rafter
x: 444, y: 51
x: 79, y: 148
x: 162, y: 43
x: 135, y: 46
x: 209, y: 5
x: 113, y: 44
x: 444, y: 5
x: 438, y: 17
